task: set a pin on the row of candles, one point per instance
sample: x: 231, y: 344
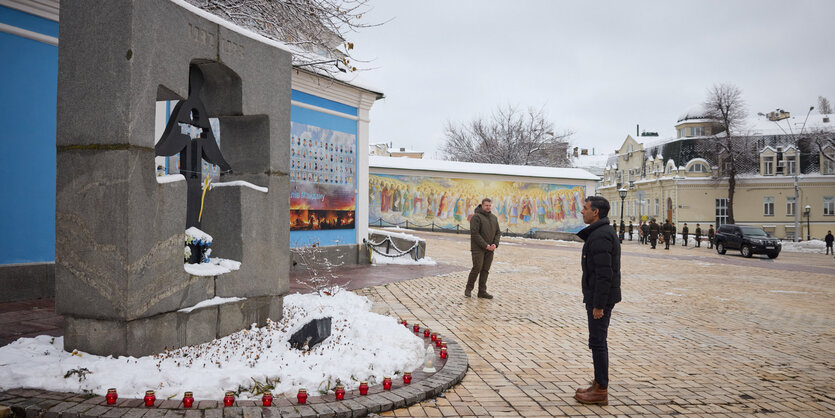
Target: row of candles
x: 267, y: 398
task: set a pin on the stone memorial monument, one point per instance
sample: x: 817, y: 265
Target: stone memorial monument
x: 120, y: 278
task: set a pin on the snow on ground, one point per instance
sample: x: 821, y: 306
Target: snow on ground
x: 362, y: 346
x: 390, y: 232
x: 403, y: 259
x: 215, y: 267
x: 811, y: 246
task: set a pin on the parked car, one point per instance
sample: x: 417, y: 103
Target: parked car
x: 749, y: 240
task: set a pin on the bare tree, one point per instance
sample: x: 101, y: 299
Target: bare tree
x: 315, y: 29
x: 508, y: 136
x: 824, y: 140
x: 724, y: 104
x: 823, y: 106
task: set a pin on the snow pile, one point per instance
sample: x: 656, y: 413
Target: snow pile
x: 198, y: 235
x: 405, y: 259
x: 811, y: 246
x: 362, y: 346
x: 214, y: 267
x: 395, y: 234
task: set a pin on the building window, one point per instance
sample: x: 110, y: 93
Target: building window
x: 681, y: 132
x: 790, y: 165
x: 721, y: 212
x: 790, y: 206
x: 828, y: 205
x: 697, y: 168
x: 768, y: 166
x: 657, y: 207
x: 828, y: 166
x: 697, y: 131
x: 768, y: 206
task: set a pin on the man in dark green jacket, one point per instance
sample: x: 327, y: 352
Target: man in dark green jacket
x: 667, y: 231
x: 601, y: 291
x: 484, y: 239
x: 684, y: 233
x: 654, y: 230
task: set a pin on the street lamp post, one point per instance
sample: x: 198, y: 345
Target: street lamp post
x: 808, y: 213
x: 622, y: 192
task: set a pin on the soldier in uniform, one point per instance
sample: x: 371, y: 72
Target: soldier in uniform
x: 698, y: 235
x: 654, y: 229
x: 666, y: 230
x: 673, y: 237
x: 644, y: 233
x: 630, y: 230
x: 711, y: 233
x: 684, y: 233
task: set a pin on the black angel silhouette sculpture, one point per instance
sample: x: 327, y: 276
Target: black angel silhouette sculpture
x: 189, y: 133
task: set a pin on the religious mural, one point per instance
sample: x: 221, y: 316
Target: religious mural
x: 520, y: 207
x: 322, y: 178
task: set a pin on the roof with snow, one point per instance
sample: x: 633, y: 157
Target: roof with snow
x: 403, y: 163
x: 696, y: 111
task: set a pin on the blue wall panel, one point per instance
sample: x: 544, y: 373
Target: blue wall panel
x: 28, y: 87
x: 336, y: 123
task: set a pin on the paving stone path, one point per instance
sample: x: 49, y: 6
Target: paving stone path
x: 697, y: 333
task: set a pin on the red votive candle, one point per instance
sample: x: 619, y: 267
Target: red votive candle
x: 426, y: 333
x: 387, y: 383
x: 404, y: 323
x: 111, y: 396
x: 302, y: 396
x: 438, y: 342
x: 363, y: 388
x: 267, y: 399
x: 150, y: 398
x: 444, y: 353
x: 339, y: 392
x: 434, y: 336
x: 407, y: 378
x: 229, y: 399
x: 188, y: 400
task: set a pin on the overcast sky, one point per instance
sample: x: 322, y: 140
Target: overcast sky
x: 597, y: 68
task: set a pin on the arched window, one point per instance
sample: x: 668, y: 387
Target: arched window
x: 697, y: 168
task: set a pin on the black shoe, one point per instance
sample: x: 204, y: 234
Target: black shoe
x: 485, y: 295
x: 468, y: 293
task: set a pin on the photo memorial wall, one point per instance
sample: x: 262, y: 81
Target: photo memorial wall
x: 446, y: 202
x: 322, y: 178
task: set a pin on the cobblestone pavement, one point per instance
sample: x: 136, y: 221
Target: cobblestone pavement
x: 697, y: 333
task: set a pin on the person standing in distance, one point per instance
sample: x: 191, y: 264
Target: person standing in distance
x: 828, y: 240
x: 601, y: 291
x: 667, y: 231
x: 484, y: 239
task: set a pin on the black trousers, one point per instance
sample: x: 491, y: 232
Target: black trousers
x: 481, y: 269
x: 598, y: 333
x: 666, y: 242
x: 710, y: 242
x: 829, y: 249
x: 685, y: 240
x: 653, y: 241
x: 698, y: 241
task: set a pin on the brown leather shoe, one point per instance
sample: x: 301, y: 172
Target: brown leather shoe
x: 485, y: 295
x: 598, y: 396
x: 592, y: 387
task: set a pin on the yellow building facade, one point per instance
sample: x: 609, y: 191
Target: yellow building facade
x: 687, y: 186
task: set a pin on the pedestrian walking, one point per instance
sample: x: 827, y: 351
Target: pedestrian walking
x: 645, y: 233
x: 630, y: 230
x: 828, y: 240
x: 484, y: 239
x: 654, y: 229
x: 684, y: 233
x: 667, y: 231
x: 698, y: 235
x: 711, y: 234
x: 601, y: 291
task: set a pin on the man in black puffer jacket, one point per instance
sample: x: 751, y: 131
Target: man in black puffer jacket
x: 601, y: 291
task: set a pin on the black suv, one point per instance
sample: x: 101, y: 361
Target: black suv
x: 749, y: 240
